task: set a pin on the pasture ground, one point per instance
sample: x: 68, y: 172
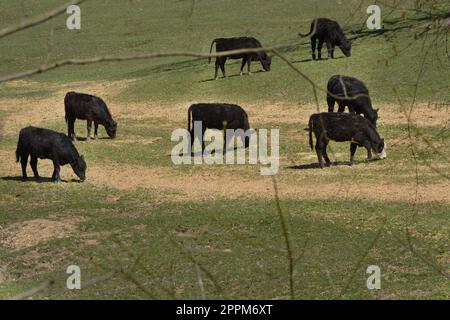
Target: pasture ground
x: 162, y: 229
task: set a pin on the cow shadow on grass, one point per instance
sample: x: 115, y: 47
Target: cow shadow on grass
x: 245, y: 74
x: 31, y: 179
x: 92, y: 139
x: 200, y: 153
x: 316, y: 165
x: 310, y: 60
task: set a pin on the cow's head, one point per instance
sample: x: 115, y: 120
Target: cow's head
x: 79, y: 167
x: 380, y: 149
x: 111, y: 129
x: 266, y: 61
x: 346, y: 48
x: 383, y: 154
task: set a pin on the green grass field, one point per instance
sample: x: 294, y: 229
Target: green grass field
x: 143, y: 228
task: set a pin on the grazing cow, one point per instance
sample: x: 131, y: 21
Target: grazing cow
x: 228, y: 44
x: 220, y: 117
x: 48, y: 144
x: 328, y: 31
x: 344, y: 127
x: 93, y: 109
x: 354, y: 94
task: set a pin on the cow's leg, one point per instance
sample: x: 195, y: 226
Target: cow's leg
x: 341, y: 107
x: 369, y: 150
x: 319, y: 48
x: 313, y: 47
x: 191, y: 143
x: 249, y: 61
x: 351, y: 108
x: 324, y: 152
x: 71, y: 129
x: 330, y: 102
x: 216, y: 69
x: 353, y: 147
x: 244, y: 61
x: 95, y: 131
x: 319, y: 151
x: 330, y: 49
x: 23, y: 162
x: 203, y: 140
x: 33, y: 163
x: 56, y: 170
x: 89, y: 127
x: 223, y: 60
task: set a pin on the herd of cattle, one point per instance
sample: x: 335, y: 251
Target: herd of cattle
x: 39, y: 143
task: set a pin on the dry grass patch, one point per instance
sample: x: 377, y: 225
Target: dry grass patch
x: 208, y: 183
x: 33, y: 232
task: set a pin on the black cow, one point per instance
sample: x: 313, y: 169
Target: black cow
x: 48, y: 144
x: 93, y: 109
x: 228, y: 44
x: 218, y: 116
x: 344, y: 127
x: 328, y: 31
x: 354, y: 94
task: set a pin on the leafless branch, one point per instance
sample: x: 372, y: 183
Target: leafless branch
x: 38, y: 20
x: 287, y: 240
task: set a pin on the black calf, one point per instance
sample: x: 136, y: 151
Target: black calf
x: 344, y: 127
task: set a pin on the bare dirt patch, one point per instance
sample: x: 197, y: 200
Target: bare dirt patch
x: 207, y: 184
x: 422, y: 115
x: 32, y: 232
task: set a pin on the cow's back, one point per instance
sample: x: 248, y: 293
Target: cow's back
x: 213, y: 115
x: 352, y: 86
x: 338, y: 126
x: 85, y: 107
x: 227, y: 44
x: 44, y: 143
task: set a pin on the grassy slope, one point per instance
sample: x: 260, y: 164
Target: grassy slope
x: 239, y: 242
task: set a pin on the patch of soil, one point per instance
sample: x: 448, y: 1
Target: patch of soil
x: 32, y: 232
x: 204, y: 184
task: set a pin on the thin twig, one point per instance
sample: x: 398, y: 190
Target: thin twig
x: 38, y: 20
x: 287, y: 239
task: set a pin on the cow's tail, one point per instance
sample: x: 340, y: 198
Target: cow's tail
x: 311, y: 31
x: 189, y: 118
x: 210, y: 49
x: 66, y: 106
x: 18, y: 150
x: 310, y: 130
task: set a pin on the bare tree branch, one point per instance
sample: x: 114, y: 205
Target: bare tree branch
x: 38, y: 20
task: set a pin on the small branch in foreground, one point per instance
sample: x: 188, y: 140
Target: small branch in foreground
x: 287, y: 240
x: 38, y: 20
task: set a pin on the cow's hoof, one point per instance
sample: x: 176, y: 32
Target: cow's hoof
x: 241, y: 73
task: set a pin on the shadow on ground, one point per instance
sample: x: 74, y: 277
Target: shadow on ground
x: 41, y: 180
